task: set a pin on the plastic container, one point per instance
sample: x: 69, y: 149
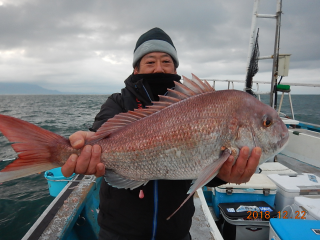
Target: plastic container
x: 276, y: 168
x: 307, y: 207
x: 294, y: 229
x: 243, y: 224
x: 289, y: 187
x: 207, y: 192
x: 56, y: 181
x: 259, y: 188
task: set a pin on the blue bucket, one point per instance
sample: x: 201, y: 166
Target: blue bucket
x: 54, y: 177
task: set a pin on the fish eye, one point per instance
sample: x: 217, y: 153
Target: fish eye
x: 267, y: 122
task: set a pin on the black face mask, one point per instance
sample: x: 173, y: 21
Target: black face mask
x: 158, y: 83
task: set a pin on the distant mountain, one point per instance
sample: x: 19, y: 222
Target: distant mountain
x: 24, y: 88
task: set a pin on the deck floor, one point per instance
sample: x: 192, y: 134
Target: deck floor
x: 297, y: 165
x: 203, y: 225
x: 200, y: 228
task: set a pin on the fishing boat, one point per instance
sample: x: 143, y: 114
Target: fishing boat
x: 73, y: 212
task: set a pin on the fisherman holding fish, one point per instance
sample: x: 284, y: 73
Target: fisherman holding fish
x: 141, y: 213
x: 155, y: 131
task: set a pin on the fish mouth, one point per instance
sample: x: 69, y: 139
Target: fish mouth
x: 283, y: 141
x: 284, y: 136
x: 277, y: 148
x: 283, y: 144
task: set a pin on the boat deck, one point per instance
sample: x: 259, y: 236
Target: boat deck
x: 203, y: 225
x: 297, y: 166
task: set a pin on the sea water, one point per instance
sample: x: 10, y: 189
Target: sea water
x: 23, y: 200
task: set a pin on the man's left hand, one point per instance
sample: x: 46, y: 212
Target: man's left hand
x: 244, y: 167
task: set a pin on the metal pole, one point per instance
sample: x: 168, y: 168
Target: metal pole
x: 291, y: 105
x: 274, y: 77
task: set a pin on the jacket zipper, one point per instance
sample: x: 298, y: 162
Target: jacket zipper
x: 147, y: 93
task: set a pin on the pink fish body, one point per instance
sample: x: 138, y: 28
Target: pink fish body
x: 179, y: 141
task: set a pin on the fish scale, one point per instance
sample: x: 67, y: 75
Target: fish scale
x: 178, y: 137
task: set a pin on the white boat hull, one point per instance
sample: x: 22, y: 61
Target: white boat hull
x: 304, y: 145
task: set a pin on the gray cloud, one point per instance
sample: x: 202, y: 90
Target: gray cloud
x: 80, y: 45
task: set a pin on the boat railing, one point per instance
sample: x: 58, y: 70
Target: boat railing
x: 257, y: 92
x: 231, y: 85
x: 284, y: 117
x: 231, y: 82
x: 87, y: 178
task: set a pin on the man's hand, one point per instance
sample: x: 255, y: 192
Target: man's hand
x: 244, y: 167
x: 88, y: 162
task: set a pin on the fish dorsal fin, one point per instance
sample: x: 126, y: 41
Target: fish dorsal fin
x: 189, y: 88
x: 192, y: 85
x: 205, y: 86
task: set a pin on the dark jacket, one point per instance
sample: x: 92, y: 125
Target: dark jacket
x: 122, y: 211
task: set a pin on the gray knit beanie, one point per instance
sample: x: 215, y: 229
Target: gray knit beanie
x: 155, y: 40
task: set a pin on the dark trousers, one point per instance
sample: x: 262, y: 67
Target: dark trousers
x: 106, y: 235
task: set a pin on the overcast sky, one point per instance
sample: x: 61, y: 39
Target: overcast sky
x: 87, y: 46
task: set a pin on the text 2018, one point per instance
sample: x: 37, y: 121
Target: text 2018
x: 266, y: 215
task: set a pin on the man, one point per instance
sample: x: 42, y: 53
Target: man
x: 141, y: 213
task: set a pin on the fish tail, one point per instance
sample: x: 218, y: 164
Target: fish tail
x: 38, y: 149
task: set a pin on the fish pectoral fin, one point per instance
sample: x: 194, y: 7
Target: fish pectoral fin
x: 116, y: 180
x: 206, y: 175
x: 209, y: 172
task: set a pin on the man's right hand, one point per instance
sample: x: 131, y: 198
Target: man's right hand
x: 89, y: 161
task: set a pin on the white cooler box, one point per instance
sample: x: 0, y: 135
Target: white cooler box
x: 259, y: 188
x: 294, y: 229
x: 289, y: 187
x: 276, y: 168
x: 307, y: 207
